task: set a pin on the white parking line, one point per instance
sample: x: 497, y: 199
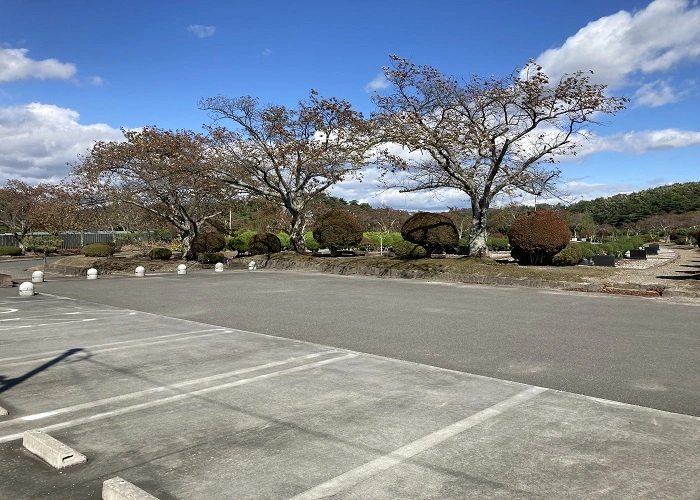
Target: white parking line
x: 48, y: 324
x: 176, y: 397
x: 354, y: 476
x: 96, y: 348
x: 163, y: 388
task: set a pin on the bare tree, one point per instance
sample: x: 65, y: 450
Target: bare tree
x: 16, y: 200
x: 485, y: 136
x: 163, y: 172
x: 286, y: 156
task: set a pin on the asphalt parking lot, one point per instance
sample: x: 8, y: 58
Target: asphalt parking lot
x: 188, y: 396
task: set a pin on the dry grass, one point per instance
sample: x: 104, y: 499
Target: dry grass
x: 462, y: 265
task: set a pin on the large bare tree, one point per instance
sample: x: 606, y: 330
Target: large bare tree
x: 286, y: 156
x: 16, y: 201
x: 166, y: 173
x: 485, y: 136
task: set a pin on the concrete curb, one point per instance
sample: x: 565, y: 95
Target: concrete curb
x: 120, y: 489
x: 52, y: 451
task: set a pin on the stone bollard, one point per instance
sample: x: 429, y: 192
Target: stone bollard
x: 92, y: 273
x: 26, y: 289
x: 182, y: 269
x: 37, y: 277
x: 140, y: 271
x: 251, y: 265
x: 219, y: 267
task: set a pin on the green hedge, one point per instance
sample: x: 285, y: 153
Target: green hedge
x: 11, y: 251
x: 569, y: 256
x: 98, y: 250
x: 160, y: 253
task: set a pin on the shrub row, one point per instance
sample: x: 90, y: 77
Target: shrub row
x: 11, y: 251
x: 98, y: 250
x: 160, y: 253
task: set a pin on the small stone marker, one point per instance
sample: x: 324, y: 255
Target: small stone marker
x: 37, y: 277
x: 251, y: 265
x: 56, y: 454
x: 182, y: 269
x: 26, y: 289
x: 92, y: 273
x: 219, y: 267
x: 120, y: 489
x: 604, y: 260
x: 638, y: 254
x: 140, y: 271
x: 3, y: 412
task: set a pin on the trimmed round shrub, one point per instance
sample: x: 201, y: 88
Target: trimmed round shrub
x: 98, y: 250
x: 210, y: 257
x: 264, y: 243
x: 310, y: 243
x: 11, y: 251
x: 434, y: 232
x: 569, y: 256
x: 407, y: 250
x: 240, y: 241
x: 208, y: 242
x: 337, y: 229
x: 536, y: 237
x: 160, y: 253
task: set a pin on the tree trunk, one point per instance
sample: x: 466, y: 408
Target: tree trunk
x: 296, y: 230
x: 477, y: 233
x: 187, y: 236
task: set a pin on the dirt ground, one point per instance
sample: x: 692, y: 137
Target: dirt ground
x: 675, y: 267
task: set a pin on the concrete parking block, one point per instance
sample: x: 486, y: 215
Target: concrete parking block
x: 51, y: 450
x: 121, y: 489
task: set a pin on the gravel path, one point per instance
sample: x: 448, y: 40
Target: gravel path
x: 677, y: 267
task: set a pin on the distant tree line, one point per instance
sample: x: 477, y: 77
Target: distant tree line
x: 624, y: 209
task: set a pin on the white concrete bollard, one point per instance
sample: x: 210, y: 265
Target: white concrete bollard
x: 92, y: 273
x: 219, y: 267
x: 140, y: 271
x: 251, y: 265
x: 26, y: 289
x: 37, y: 277
x: 182, y: 269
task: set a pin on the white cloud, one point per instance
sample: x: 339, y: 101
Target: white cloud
x: 656, y: 93
x: 641, y: 142
x: 379, y: 83
x: 267, y: 52
x: 201, y: 31
x: 626, y: 46
x: 15, y: 65
x: 97, y: 81
x: 370, y: 189
x: 38, y: 140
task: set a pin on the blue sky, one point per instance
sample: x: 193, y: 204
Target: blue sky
x: 74, y: 72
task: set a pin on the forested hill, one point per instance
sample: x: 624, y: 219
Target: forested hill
x: 625, y: 208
